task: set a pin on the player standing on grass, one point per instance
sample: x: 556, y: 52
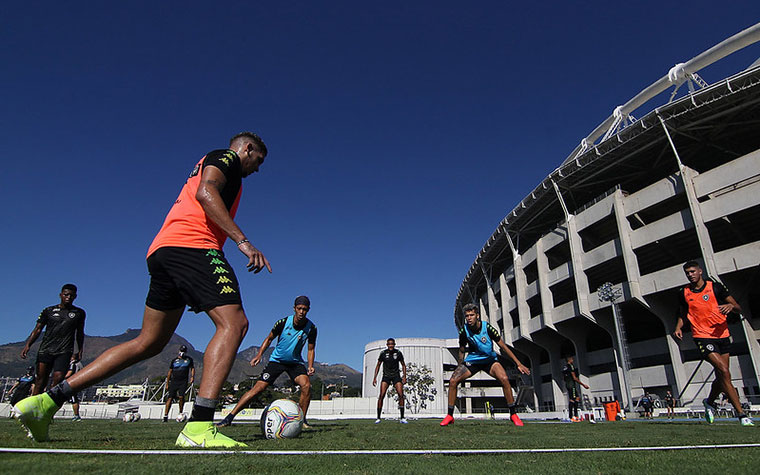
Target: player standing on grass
x: 292, y: 333
x: 476, y: 338
x: 176, y: 380
x: 706, y: 304
x: 75, y: 366
x: 187, y: 267
x: 23, y: 387
x: 570, y: 374
x: 670, y: 404
x: 390, y: 358
x: 65, y: 325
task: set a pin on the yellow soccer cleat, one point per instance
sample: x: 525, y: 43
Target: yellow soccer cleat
x: 36, y: 413
x: 204, y: 434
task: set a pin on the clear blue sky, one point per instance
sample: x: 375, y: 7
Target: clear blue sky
x: 400, y: 134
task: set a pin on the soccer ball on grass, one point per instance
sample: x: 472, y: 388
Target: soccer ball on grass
x: 282, y: 419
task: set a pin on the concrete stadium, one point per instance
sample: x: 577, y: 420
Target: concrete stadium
x: 633, y: 202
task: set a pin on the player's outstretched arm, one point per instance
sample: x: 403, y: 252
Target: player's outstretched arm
x: 377, y: 370
x: 264, y: 345
x: 310, y: 355
x: 520, y: 367
x: 678, y: 333
x: 208, y: 195
x: 32, y: 338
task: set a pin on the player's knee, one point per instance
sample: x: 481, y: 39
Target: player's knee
x: 306, y: 387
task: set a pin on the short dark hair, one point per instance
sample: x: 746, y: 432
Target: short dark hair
x: 390, y: 339
x: 250, y: 136
x: 70, y: 287
x: 691, y: 264
x: 469, y: 307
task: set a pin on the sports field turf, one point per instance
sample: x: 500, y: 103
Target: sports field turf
x: 422, y: 434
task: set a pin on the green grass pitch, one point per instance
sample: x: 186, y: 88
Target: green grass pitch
x: 421, y: 434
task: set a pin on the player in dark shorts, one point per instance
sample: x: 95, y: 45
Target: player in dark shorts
x: 64, y: 326
x: 187, y: 268
x: 391, y: 359
x: 647, y: 404
x: 176, y: 380
x: 23, y: 387
x: 476, y: 338
x: 570, y: 374
x: 706, y: 303
x: 74, y: 366
x: 292, y: 333
x: 670, y: 404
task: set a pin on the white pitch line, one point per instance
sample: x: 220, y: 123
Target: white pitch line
x: 371, y: 452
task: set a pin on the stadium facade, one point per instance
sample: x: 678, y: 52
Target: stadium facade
x: 629, y: 206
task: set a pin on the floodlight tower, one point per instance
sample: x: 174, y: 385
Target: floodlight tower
x: 608, y: 293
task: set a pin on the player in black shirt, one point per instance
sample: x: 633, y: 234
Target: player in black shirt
x: 391, y: 359
x: 65, y: 325
x: 670, y: 404
x: 74, y: 366
x: 23, y: 387
x: 176, y: 380
x: 570, y: 374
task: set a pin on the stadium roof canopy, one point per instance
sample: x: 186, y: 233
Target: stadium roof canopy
x: 623, y: 152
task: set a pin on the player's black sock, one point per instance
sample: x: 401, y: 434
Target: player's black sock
x: 401, y: 408
x: 379, y: 411
x: 60, y: 393
x: 451, y: 411
x: 203, y: 409
x: 512, y: 408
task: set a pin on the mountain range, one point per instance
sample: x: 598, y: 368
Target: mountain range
x: 12, y: 365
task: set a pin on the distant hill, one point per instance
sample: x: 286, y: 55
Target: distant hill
x: 12, y: 365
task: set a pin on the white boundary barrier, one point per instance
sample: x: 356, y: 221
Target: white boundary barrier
x: 373, y: 452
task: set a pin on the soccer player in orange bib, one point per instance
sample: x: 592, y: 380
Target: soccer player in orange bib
x: 706, y: 304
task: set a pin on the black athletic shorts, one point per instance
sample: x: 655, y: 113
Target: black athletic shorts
x: 392, y: 380
x: 59, y: 363
x: 74, y: 399
x: 475, y: 367
x: 176, y: 390
x: 202, y: 279
x: 572, y: 392
x: 712, y: 345
x: 274, y: 370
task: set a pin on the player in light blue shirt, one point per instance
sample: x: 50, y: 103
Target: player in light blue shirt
x: 476, y: 338
x: 292, y: 332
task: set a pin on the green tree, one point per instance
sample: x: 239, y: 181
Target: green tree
x: 418, y: 390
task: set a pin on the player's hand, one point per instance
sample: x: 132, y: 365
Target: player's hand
x: 310, y: 371
x: 24, y: 352
x: 585, y: 385
x: 726, y: 308
x: 523, y: 369
x: 403, y: 380
x: 678, y: 333
x: 374, y: 382
x: 256, y: 259
x: 256, y: 360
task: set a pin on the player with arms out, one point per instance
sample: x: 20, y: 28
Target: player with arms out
x: 187, y: 267
x: 390, y: 358
x: 292, y: 333
x: 706, y: 303
x: 176, y: 380
x: 570, y: 374
x: 65, y: 326
x: 476, y: 338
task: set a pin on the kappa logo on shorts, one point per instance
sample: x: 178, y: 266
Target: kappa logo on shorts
x: 706, y: 297
x: 265, y: 376
x: 710, y: 347
x: 223, y: 280
x: 221, y: 270
x: 227, y: 290
x: 217, y: 261
x: 212, y: 252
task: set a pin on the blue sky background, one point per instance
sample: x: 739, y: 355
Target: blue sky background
x: 400, y: 134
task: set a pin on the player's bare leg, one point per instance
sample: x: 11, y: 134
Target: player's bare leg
x: 460, y: 374
x: 400, y: 390
x: 381, y: 399
x: 304, y: 383
x: 498, y: 372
